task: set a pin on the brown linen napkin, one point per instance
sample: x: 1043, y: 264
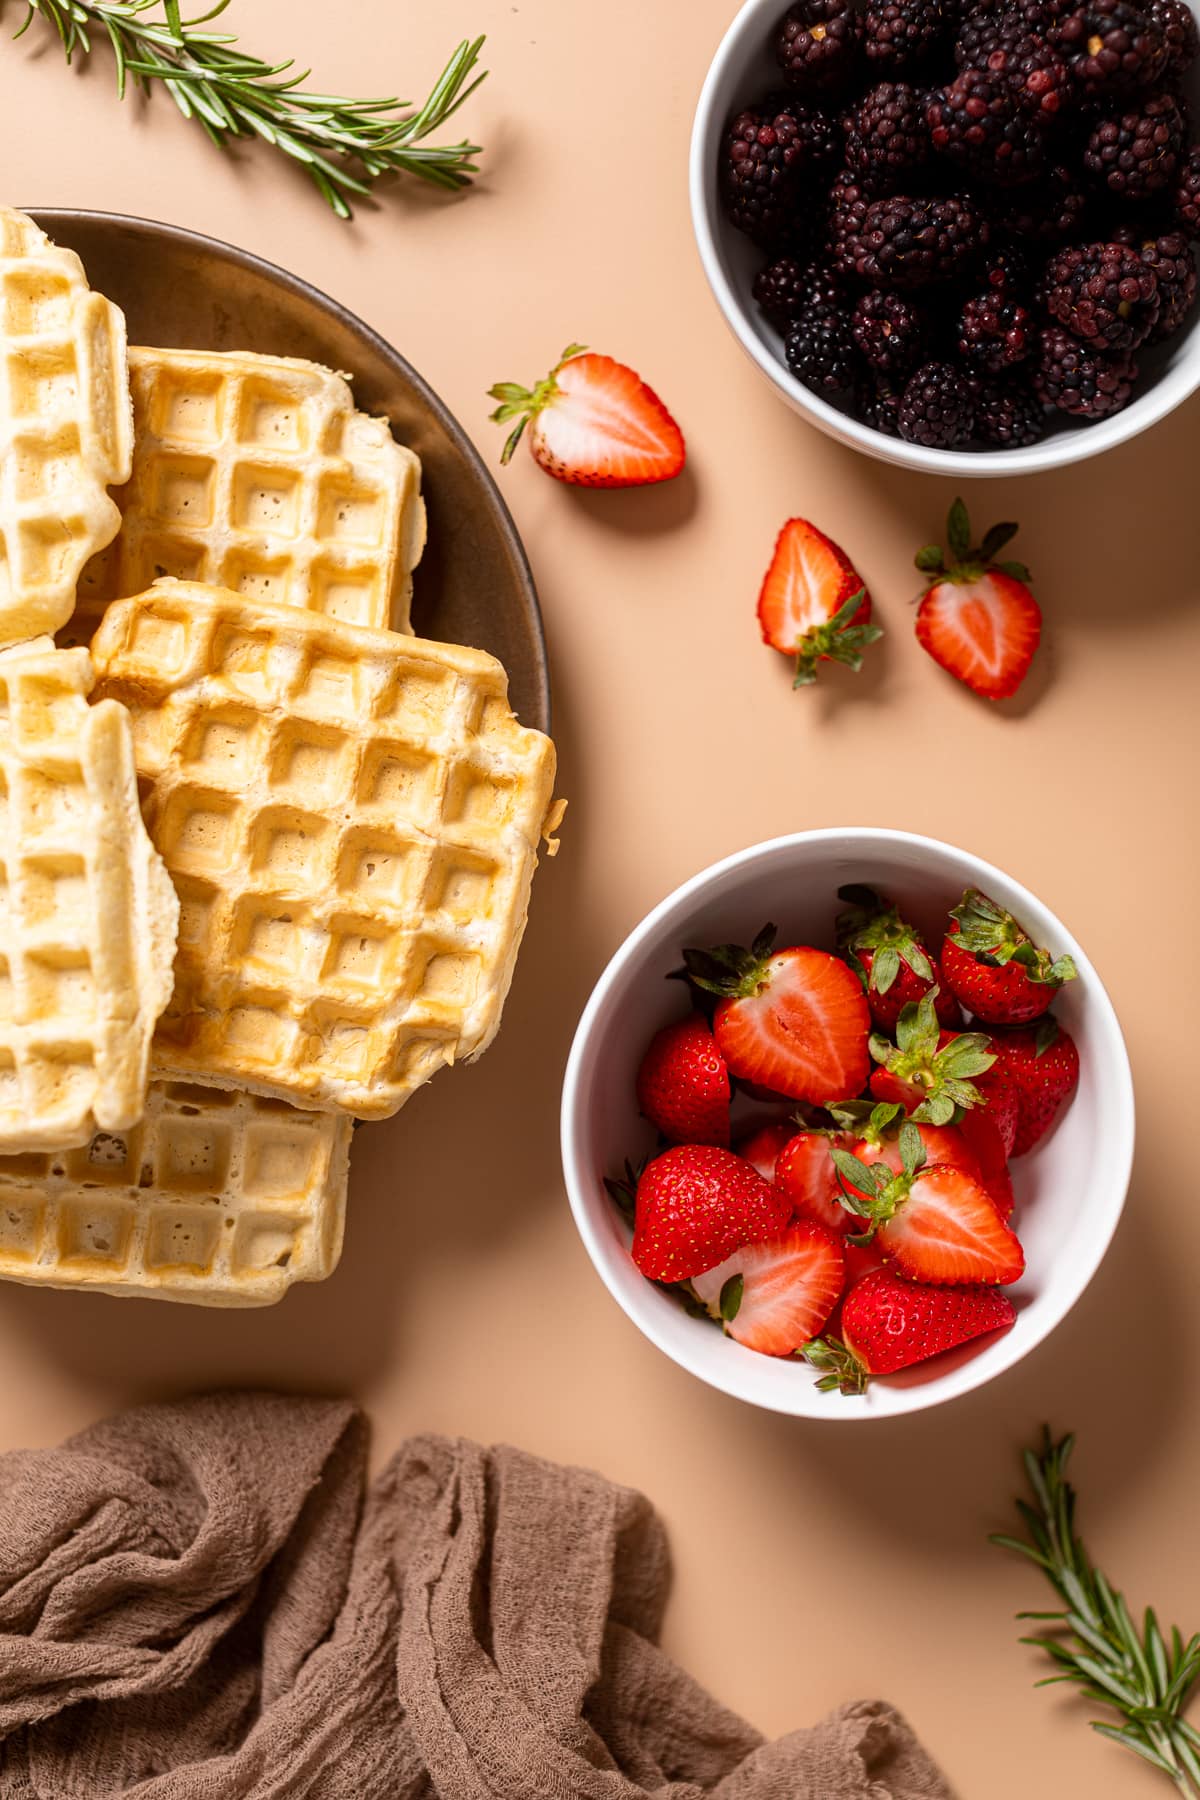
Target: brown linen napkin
x: 197, y: 1603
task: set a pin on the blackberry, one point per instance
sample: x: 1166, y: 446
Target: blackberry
x: 889, y: 331
x: 1008, y: 415
x: 1054, y: 210
x: 1080, y: 380
x: 907, y: 243
x: 848, y: 204
x: 995, y: 332
x: 1176, y: 21
x: 817, y: 45
x: 977, y: 124
x: 1187, y: 194
x: 1110, y: 47
x: 769, y: 153
x: 1136, y: 153
x: 995, y: 24
x: 785, y: 288
x: 886, y: 139
x: 1170, y: 256
x: 900, y: 34
x: 877, y: 403
x: 1103, y: 293
x: 820, y: 350
x: 937, y: 408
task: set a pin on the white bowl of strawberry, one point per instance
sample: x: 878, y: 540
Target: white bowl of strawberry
x: 864, y: 1160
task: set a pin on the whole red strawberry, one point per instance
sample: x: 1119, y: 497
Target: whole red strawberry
x: 891, y: 957
x: 683, y: 1084
x: 1042, y: 1063
x: 890, y: 1324
x: 993, y: 966
x: 978, y: 618
x: 792, y: 1021
x: 696, y: 1205
x: 928, y: 1071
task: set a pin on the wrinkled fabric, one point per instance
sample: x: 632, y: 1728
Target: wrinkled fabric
x: 204, y: 1601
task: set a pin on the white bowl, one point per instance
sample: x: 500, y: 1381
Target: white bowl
x: 1070, y: 1189
x: 744, y: 69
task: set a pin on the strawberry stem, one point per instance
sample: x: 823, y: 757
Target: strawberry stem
x: 968, y: 562
x: 839, y: 1366
x: 524, y: 404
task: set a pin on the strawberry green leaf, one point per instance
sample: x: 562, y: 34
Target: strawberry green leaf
x: 1018, y: 570
x: 930, y: 560
x: 1046, y: 1034
x: 730, y: 1302
x: 958, y: 531
x: 912, y: 1150
x: 995, y: 540
x: 884, y: 968
x: 837, y: 1364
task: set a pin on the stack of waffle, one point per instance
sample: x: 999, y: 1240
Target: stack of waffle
x: 319, y: 899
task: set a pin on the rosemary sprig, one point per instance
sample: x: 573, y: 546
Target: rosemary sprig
x: 1144, y: 1678
x: 344, y: 144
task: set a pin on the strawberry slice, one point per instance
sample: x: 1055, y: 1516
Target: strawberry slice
x: 683, y: 1084
x: 695, y: 1205
x: 794, y: 1021
x: 762, y: 1147
x: 808, y: 1176
x: 592, y: 422
x: 813, y: 604
x: 775, y: 1296
x: 937, y: 1223
x: 978, y: 618
x: 888, y: 1324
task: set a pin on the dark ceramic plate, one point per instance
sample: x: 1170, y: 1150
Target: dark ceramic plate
x: 188, y: 292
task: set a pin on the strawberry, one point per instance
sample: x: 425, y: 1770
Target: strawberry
x: 936, y: 1222
x: 890, y: 956
x: 1043, y: 1066
x: 695, y: 1205
x: 592, y: 422
x: 978, y: 618
x: 775, y: 1296
x: 683, y: 1084
x: 889, y: 1324
x: 808, y: 1177
x: 994, y: 968
x: 813, y: 605
x: 973, y: 1144
x: 794, y: 1021
x: 761, y: 1147
x: 930, y: 1072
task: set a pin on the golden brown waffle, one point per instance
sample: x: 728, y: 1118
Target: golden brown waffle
x: 65, y: 427
x: 87, y: 911
x: 255, y: 473
x: 220, y: 1198
x: 351, y: 819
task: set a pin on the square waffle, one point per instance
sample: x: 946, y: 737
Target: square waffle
x: 255, y: 473
x: 65, y: 427
x: 87, y: 911
x: 220, y: 1198
x: 351, y: 819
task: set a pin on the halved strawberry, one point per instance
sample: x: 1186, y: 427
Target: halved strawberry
x: 937, y: 1223
x: 813, y: 604
x: 683, y: 1084
x: 973, y: 1144
x: 794, y: 1021
x: 695, y: 1205
x: 978, y: 618
x: 889, y: 1324
x: 761, y: 1147
x: 891, y: 957
x: 994, y: 967
x: 593, y: 422
x: 808, y: 1176
x: 1043, y: 1064
x: 775, y: 1296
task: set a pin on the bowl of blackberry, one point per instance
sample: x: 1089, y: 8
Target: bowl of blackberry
x: 960, y: 235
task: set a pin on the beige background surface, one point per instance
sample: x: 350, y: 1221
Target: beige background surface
x: 814, y: 1563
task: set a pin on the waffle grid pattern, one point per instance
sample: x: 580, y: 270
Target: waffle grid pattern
x: 215, y: 1197
x: 256, y: 474
x: 351, y: 820
x: 86, y: 910
x: 64, y: 427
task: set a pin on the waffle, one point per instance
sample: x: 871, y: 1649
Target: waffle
x: 255, y: 473
x: 87, y: 911
x: 351, y: 819
x: 65, y: 427
x: 220, y: 1198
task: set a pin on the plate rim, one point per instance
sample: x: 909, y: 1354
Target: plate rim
x: 46, y: 216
